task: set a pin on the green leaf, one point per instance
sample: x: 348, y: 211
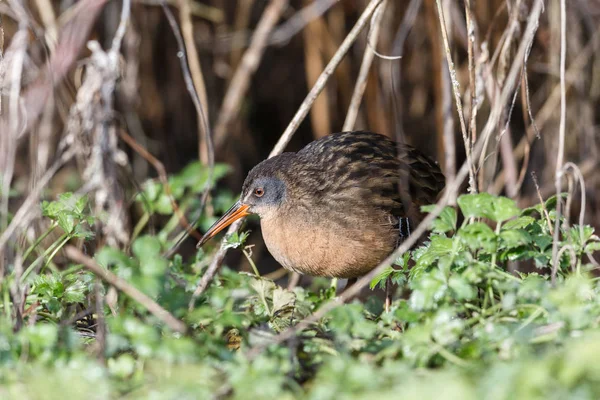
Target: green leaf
x: 445, y: 222
x: 427, y: 290
x: 281, y: 299
x: 80, y: 204
x: 147, y: 249
x: 476, y: 205
x: 504, y: 209
x: 592, y: 247
x: 381, y: 278
x: 236, y: 240
x: 163, y: 205
x: 580, y: 235
x: 478, y: 236
x: 463, y: 289
x: 485, y: 205
x: 122, y: 366
x: 514, y: 238
x: 519, y: 223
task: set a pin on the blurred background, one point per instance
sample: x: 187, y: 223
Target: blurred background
x: 104, y: 118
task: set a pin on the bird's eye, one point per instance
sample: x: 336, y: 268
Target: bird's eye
x: 259, y: 192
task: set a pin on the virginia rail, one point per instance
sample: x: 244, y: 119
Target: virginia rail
x: 339, y: 206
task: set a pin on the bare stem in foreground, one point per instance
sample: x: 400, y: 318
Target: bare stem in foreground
x: 361, y: 82
x: 561, y: 137
x: 121, y: 284
x: 456, y: 90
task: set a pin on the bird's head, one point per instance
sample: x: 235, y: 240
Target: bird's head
x: 263, y: 193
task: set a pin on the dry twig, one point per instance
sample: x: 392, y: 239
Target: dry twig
x: 248, y: 65
x: 561, y: 137
x: 322, y: 81
x: 456, y: 90
x: 187, y: 29
x: 363, y: 74
x: 121, y: 284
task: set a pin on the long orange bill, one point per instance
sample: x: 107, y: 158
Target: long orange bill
x: 237, y: 211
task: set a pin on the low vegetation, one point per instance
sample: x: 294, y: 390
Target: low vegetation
x: 463, y: 323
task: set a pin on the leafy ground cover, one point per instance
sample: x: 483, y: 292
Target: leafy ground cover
x: 463, y: 325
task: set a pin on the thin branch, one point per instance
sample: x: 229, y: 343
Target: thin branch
x: 471, y: 41
x: 248, y: 66
x: 322, y: 81
x: 120, y: 33
x: 121, y: 284
x: 187, y: 28
x: 299, y: 21
x: 361, y: 81
x: 561, y: 137
x: 456, y: 90
x: 200, y: 111
x: 515, y: 70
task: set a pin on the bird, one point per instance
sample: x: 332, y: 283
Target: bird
x: 339, y: 206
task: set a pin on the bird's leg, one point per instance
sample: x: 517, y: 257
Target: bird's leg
x: 388, y: 294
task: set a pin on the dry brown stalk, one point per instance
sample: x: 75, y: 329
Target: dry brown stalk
x: 313, y: 61
x: 121, y: 284
x: 561, y: 138
x: 250, y: 61
x: 457, y: 99
x: 187, y: 29
x: 72, y: 38
x: 322, y: 81
x: 361, y: 81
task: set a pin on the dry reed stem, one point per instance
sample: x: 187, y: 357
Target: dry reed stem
x: 49, y: 20
x: 121, y: 284
x: 471, y: 45
x: 187, y: 30
x: 511, y: 78
x: 287, y: 135
x: 248, y: 66
x: 443, y: 107
x: 16, y: 53
x: 457, y: 99
x: 561, y: 137
x: 546, y: 111
x: 587, y: 168
x: 396, y: 68
x: 243, y: 14
x: 299, y: 21
x: 200, y: 110
x: 363, y: 74
x: 313, y: 64
x: 72, y: 38
x: 197, y: 9
x: 322, y: 81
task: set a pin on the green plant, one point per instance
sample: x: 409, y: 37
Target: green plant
x: 462, y: 324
